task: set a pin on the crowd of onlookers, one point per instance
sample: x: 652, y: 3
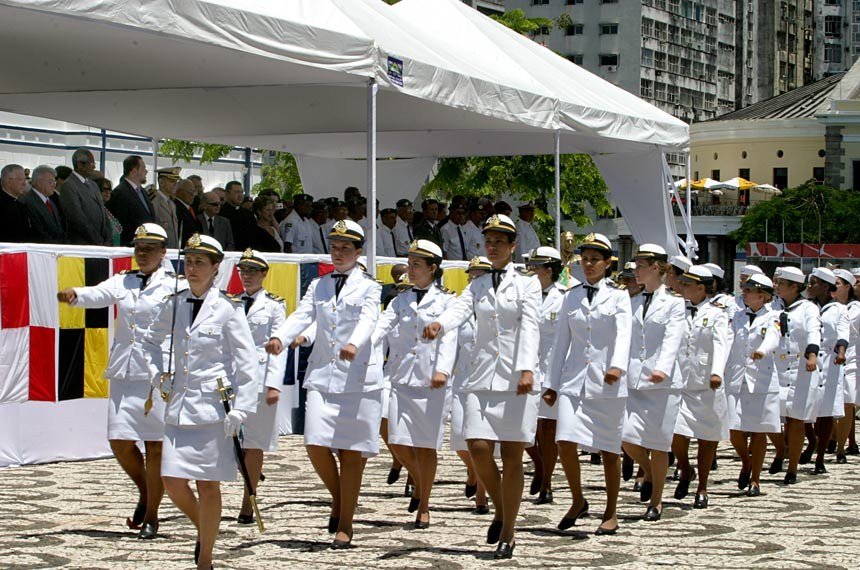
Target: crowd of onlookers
x: 78, y: 205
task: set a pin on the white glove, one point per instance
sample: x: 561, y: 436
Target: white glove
x: 234, y: 421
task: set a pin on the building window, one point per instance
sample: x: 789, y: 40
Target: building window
x: 832, y: 26
x: 647, y: 57
x: 833, y: 2
x: 609, y: 1
x: 818, y: 174
x: 744, y: 173
x: 647, y: 27
x: 780, y: 178
x: 572, y: 2
x: 543, y: 31
x: 573, y: 30
x: 575, y: 58
x: 832, y: 53
x: 646, y: 88
x: 609, y: 59
x: 608, y: 29
x: 540, y: 2
x: 779, y: 154
x: 715, y: 174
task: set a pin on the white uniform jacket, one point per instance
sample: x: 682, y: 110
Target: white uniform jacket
x: 403, y: 235
x: 550, y: 318
x: 853, y: 308
x: 835, y: 329
x: 705, y: 347
x: 412, y: 360
x: 592, y: 337
x: 760, y: 335
x: 348, y: 319
x: 800, y: 334
x: 465, y: 349
x: 506, y: 329
x: 296, y: 230
x: 217, y: 345
x: 474, y: 239
x: 136, y: 310
x: 656, y: 340
x: 267, y: 314
x: 527, y: 239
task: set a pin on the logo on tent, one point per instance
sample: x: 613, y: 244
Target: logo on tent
x: 395, y: 71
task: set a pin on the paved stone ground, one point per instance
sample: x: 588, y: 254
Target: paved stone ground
x: 72, y: 515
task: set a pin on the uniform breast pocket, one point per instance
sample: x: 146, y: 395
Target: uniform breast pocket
x: 352, y: 310
x: 209, y: 335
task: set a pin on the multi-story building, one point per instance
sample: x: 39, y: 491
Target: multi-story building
x: 836, y: 40
x: 488, y: 7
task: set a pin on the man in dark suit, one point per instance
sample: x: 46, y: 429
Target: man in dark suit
x: 215, y: 225
x: 83, y: 205
x: 428, y: 227
x: 47, y: 221
x: 129, y: 203
x: 188, y: 219
x: 14, y: 221
x: 242, y: 221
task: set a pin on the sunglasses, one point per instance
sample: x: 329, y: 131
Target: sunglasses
x: 213, y: 203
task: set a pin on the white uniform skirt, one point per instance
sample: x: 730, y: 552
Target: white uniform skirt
x: 596, y: 424
x: 501, y: 416
x: 458, y: 419
x: 126, y: 419
x: 802, y: 397
x: 849, y: 379
x: 651, y: 417
x: 757, y: 413
x: 546, y: 412
x: 386, y: 397
x: 831, y: 402
x: 704, y: 415
x: 261, y: 430
x: 199, y: 453
x: 416, y: 416
x: 344, y: 421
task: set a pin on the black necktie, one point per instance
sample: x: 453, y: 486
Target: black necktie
x: 590, y: 290
x: 212, y: 227
x: 544, y: 293
x: 409, y: 231
x: 498, y: 275
x: 693, y: 311
x: 195, y: 308
x: 341, y: 279
x: 322, y: 239
x: 783, y: 323
x: 462, y: 243
x: 646, y: 303
x: 143, y: 199
x: 248, y: 302
x: 752, y: 317
x: 144, y: 279
x: 419, y: 294
x: 393, y: 242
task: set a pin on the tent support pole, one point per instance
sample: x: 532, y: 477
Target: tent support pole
x: 155, y: 159
x: 558, y: 190
x: 691, y: 240
x: 372, y: 89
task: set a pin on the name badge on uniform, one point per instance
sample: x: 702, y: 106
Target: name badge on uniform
x: 705, y: 322
x: 553, y: 316
x: 763, y: 331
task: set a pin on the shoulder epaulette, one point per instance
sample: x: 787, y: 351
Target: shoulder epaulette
x: 575, y: 285
x: 168, y: 296
x: 231, y: 296
x: 611, y: 283
x: 127, y: 271
x: 445, y: 290
x: 274, y: 297
x: 675, y: 294
x: 173, y: 275
x: 524, y: 271
x: 718, y: 305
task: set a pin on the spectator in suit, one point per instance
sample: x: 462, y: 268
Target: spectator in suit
x: 83, y: 205
x: 242, y: 221
x: 198, y: 192
x: 162, y: 203
x: 129, y: 203
x: 428, y: 227
x: 215, y: 225
x: 185, y: 213
x: 14, y: 220
x: 47, y: 223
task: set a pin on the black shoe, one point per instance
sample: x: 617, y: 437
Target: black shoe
x: 545, y: 498
x: 196, y: 552
x: 776, y: 466
x: 262, y: 477
x: 626, y: 468
x: 481, y: 510
x: 701, y: 501
x: 471, y: 490
x: 831, y: 447
x: 534, y: 489
x: 790, y: 478
x: 714, y: 464
x: 676, y: 476
x: 595, y: 459
x: 409, y: 490
x: 606, y: 531
x: 494, y: 531
x: 413, y: 504
x: 245, y: 519
x: 744, y: 479
x: 147, y: 532
x: 683, y: 489
x: 753, y: 491
x: 806, y: 456
x: 333, y: 523
x: 852, y: 450
x: 645, y: 491
x: 568, y: 522
x: 841, y: 459
x: 421, y: 525
x: 341, y: 544
x: 393, y: 476
x: 652, y: 514
x: 637, y: 486
x: 820, y: 469
x: 137, y: 518
x: 504, y: 551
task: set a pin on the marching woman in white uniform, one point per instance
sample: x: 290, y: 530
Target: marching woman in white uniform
x: 589, y: 357
x: 265, y: 313
x: 501, y: 392
x: 462, y: 367
x: 845, y: 283
x: 344, y: 374
x: 835, y: 335
x: 702, y: 359
x: 653, y: 379
x: 419, y: 371
x: 546, y: 264
x: 212, y: 342
x: 796, y: 362
x: 138, y: 296
x: 753, y: 388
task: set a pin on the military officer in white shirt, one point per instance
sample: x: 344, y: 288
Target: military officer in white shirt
x: 316, y: 223
x: 403, y: 227
x: 296, y: 228
x: 455, y: 238
x: 344, y: 378
x: 590, y: 355
x: 138, y: 296
x: 419, y: 371
x: 703, y: 413
x: 678, y: 265
x: 386, y: 240
x: 472, y: 232
x: 212, y: 342
x: 717, y: 290
x: 502, y: 391
x: 265, y: 313
x: 527, y: 238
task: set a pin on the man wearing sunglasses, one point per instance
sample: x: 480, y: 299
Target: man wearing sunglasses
x: 215, y: 225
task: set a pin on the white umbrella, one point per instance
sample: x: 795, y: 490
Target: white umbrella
x: 767, y: 188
